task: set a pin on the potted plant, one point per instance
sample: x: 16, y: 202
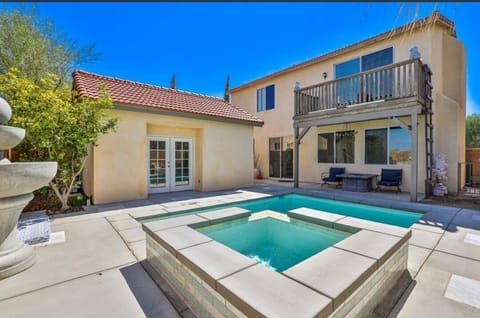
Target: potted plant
x: 439, y: 172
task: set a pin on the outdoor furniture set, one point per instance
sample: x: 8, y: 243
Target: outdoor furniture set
x: 362, y: 182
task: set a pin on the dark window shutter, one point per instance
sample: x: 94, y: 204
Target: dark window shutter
x: 270, y: 97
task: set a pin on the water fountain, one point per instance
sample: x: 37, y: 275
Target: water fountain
x: 17, y: 181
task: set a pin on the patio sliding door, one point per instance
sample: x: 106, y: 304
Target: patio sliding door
x: 281, y: 157
x: 169, y: 164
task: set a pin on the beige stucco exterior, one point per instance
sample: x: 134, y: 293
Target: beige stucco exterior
x: 446, y: 57
x: 117, y: 167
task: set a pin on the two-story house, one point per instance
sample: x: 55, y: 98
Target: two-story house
x: 390, y: 101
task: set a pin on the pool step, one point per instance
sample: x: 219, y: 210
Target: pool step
x: 269, y: 214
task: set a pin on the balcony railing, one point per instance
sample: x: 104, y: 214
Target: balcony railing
x: 401, y: 80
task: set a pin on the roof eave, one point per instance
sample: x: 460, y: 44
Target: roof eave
x: 156, y: 110
x: 440, y: 19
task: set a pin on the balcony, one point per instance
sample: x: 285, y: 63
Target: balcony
x: 393, y: 87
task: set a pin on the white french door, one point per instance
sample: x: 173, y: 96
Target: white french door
x: 169, y: 164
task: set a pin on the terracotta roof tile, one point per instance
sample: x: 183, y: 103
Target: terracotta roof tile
x: 137, y: 94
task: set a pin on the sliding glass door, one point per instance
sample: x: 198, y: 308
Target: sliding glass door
x: 281, y: 157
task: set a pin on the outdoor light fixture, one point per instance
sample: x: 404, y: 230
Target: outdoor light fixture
x: 324, y: 75
x: 347, y: 131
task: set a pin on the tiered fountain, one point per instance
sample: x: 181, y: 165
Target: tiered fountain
x: 17, y: 181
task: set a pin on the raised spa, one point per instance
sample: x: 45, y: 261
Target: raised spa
x: 275, y: 243
x: 221, y: 273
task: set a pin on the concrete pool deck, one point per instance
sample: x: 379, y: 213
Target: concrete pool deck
x: 98, y: 272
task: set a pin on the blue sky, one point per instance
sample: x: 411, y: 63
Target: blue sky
x: 203, y: 42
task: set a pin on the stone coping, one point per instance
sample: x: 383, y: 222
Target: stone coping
x: 326, y: 279
x: 190, y: 206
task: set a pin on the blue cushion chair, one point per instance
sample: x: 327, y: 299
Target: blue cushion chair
x: 390, y: 178
x: 332, y: 176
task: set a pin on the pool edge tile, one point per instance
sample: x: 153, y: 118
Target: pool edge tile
x: 197, y: 259
x: 324, y: 262
x: 232, y: 289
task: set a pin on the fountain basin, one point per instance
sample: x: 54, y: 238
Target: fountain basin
x: 25, y: 177
x: 10, y: 209
x: 5, y: 111
x: 11, y: 136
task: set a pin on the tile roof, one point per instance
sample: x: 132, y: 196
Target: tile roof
x: 434, y: 18
x: 123, y: 92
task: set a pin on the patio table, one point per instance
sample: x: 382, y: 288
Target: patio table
x: 357, y: 182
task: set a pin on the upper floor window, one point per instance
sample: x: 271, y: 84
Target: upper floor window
x: 377, y: 59
x: 364, y: 63
x: 266, y: 98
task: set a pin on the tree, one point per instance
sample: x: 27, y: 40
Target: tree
x: 36, y: 48
x: 59, y: 125
x: 472, y: 136
x: 226, y: 94
x: 173, y: 82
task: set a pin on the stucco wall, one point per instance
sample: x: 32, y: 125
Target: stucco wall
x: 222, y: 159
x: 446, y: 57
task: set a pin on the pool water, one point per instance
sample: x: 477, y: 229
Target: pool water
x: 285, y: 203
x: 289, y: 202
x: 274, y: 243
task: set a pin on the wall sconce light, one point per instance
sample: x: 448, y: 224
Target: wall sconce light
x: 324, y: 75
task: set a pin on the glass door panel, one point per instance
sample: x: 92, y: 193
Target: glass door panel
x: 157, y: 176
x: 275, y: 157
x: 287, y: 157
x: 182, y: 163
x: 281, y: 157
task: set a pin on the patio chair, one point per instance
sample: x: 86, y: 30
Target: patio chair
x: 390, y: 178
x: 332, y: 176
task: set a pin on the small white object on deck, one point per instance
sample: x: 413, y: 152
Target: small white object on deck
x: 472, y: 239
x: 464, y: 290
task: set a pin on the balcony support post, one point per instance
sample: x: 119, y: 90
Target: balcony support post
x: 414, y: 172
x: 298, y: 138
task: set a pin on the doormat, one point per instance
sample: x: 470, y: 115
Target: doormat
x: 34, y: 229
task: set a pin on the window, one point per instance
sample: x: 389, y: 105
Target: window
x: 376, y: 146
x: 349, y: 90
x: 347, y: 68
x: 345, y: 147
x: 400, y: 146
x: 338, y: 147
x: 266, y: 98
x: 377, y: 59
x: 326, y: 151
x: 388, y: 146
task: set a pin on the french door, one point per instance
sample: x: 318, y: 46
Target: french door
x: 169, y: 164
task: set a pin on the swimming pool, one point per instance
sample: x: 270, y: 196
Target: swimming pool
x: 287, y: 202
x: 265, y: 239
